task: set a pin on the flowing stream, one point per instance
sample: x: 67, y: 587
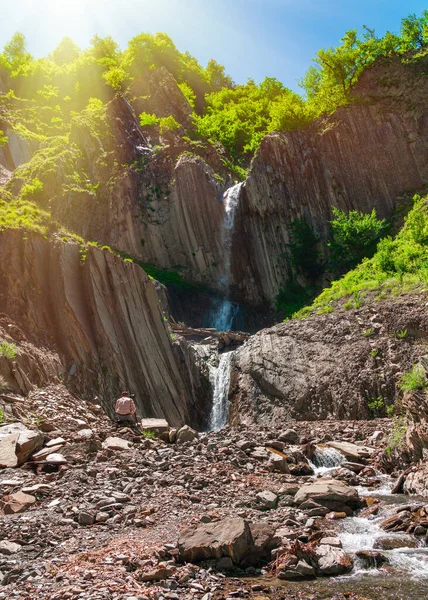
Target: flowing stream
x: 405, y: 577
x: 220, y: 379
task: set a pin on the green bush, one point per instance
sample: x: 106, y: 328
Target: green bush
x: 354, y: 236
x: 397, y: 434
x: 376, y: 406
x: 8, y: 349
x: 415, y: 379
x: 167, y: 124
x: 147, y: 119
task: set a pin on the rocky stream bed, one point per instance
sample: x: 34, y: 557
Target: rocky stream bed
x: 299, y: 511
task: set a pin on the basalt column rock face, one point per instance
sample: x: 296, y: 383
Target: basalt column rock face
x: 323, y: 367
x: 361, y: 157
x: 104, y: 318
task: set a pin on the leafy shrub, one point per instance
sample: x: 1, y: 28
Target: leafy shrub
x: 32, y: 189
x: 401, y: 334
x: 167, y: 124
x: 147, y: 119
x: 376, y: 406
x: 8, y: 349
x: 354, y: 236
x: 415, y: 379
x: 3, y: 138
x: 2, y: 418
x: 148, y: 433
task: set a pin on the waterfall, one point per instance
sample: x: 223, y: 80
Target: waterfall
x: 326, y: 459
x: 224, y: 312
x: 220, y: 379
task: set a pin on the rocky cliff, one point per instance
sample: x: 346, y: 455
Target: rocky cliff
x: 328, y: 366
x: 361, y: 157
x: 103, y: 317
x: 158, y: 197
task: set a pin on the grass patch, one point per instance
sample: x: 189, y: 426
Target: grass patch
x: 8, y: 349
x: 412, y: 380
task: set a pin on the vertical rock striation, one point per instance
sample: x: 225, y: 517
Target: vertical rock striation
x: 103, y: 316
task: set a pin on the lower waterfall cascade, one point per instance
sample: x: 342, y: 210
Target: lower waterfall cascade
x: 220, y: 380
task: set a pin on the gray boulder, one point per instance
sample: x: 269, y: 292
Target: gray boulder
x: 351, y: 451
x: 289, y: 436
x: 185, y: 434
x: 327, y: 491
x: 28, y: 440
x: 229, y: 537
x: 266, y: 500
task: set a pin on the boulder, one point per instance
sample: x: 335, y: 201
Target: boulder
x: 17, y: 503
x: 151, y: 424
x: 333, y: 561
x: 289, y: 436
x: 265, y: 540
x: 278, y: 463
x: 7, y: 548
x: 267, y: 500
x: 8, y: 456
x: 228, y: 537
x: 116, y: 443
x: 185, y: 434
x: 29, y: 440
x: 328, y: 491
x: 351, y: 451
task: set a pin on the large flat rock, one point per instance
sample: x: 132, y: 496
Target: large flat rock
x: 330, y: 490
x: 351, y: 451
x: 229, y: 537
x: 29, y: 440
x: 160, y: 424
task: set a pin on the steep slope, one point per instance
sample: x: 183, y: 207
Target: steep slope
x: 334, y: 365
x: 103, y: 317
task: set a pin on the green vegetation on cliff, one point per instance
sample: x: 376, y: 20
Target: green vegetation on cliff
x: 399, y: 265
x: 45, y: 95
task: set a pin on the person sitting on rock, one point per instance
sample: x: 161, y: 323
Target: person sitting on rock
x: 125, y: 410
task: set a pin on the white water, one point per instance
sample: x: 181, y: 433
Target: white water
x: 325, y: 460
x: 222, y: 316
x: 361, y: 533
x: 220, y: 379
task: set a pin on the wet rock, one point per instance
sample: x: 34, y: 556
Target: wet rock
x: 333, y: 561
x: 331, y: 541
x: 229, y: 537
x: 266, y: 500
x: 351, y: 451
x: 371, y: 558
x: 225, y: 564
x: 392, y: 542
x: 185, y: 434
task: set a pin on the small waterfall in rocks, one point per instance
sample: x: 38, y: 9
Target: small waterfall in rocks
x: 224, y: 311
x: 220, y: 379
x: 326, y: 459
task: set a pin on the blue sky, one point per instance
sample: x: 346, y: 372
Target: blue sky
x: 252, y: 38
